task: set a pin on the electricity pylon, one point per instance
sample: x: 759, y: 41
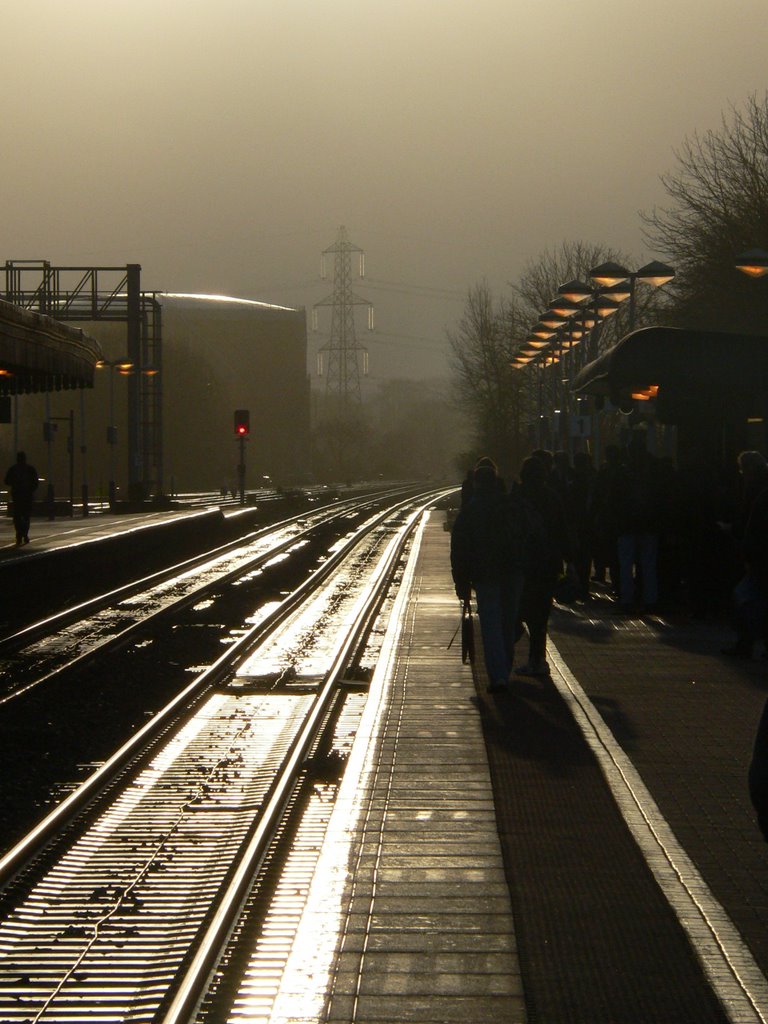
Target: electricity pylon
x: 344, y: 353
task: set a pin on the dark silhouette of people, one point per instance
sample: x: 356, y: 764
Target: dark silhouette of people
x: 22, y: 479
x: 750, y: 531
x: 637, y: 510
x: 467, y: 487
x: 706, y: 551
x: 579, y: 507
x: 758, y: 774
x: 485, y: 558
x: 546, y: 457
x: 603, y: 517
x: 562, y: 474
x: 547, y: 545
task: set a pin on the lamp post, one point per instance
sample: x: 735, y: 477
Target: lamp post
x: 575, y: 316
x: 619, y: 283
x: 124, y: 366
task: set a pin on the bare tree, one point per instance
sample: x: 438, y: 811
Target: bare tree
x: 719, y: 208
x: 572, y: 261
x: 551, y: 269
x: 504, y: 404
x: 482, y: 346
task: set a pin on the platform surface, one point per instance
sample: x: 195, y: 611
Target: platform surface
x: 581, y: 848
x: 578, y: 849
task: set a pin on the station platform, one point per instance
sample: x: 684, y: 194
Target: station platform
x: 65, y: 531
x: 579, y: 849
x: 75, y: 555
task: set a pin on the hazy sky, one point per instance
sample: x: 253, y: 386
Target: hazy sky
x: 221, y: 143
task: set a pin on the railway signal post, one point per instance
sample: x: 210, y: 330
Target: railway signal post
x: 242, y: 430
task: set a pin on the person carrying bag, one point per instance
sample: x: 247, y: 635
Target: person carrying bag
x: 485, y: 558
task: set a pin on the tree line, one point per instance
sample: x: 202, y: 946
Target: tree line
x: 717, y: 208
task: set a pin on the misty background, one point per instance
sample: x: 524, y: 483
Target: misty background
x: 222, y: 145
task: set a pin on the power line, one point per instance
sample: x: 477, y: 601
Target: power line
x: 422, y: 289
x: 405, y: 338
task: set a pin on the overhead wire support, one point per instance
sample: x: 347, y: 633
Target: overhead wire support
x: 343, y: 351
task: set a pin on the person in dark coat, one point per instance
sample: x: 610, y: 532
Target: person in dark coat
x: 579, y: 503
x: 561, y: 476
x: 467, y: 486
x: 603, y: 519
x: 484, y: 559
x: 547, y: 546
x: 758, y: 774
x: 750, y: 595
x: 22, y: 479
x: 706, y: 551
x: 638, y: 514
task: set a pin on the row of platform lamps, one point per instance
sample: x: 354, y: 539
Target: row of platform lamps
x: 571, y: 320
x: 578, y: 309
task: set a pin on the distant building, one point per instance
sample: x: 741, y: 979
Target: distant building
x: 218, y: 354
x: 222, y: 354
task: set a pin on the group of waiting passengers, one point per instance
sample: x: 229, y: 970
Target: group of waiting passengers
x: 649, y: 532
x: 654, y: 532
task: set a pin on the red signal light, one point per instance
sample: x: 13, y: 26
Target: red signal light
x: 242, y: 422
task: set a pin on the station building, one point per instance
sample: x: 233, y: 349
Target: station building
x: 218, y: 354
x: 711, y: 386
x: 221, y: 354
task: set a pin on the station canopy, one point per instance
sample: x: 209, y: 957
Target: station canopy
x: 38, y: 353
x: 682, y: 363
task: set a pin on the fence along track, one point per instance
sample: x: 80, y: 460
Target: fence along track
x: 105, y: 933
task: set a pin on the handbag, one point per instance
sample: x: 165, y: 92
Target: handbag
x: 467, y: 634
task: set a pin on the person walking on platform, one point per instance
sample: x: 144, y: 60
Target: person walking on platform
x: 547, y: 545
x: 22, y: 480
x: 485, y: 557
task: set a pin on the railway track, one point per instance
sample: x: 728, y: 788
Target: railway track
x: 68, y: 640
x: 121, y: 903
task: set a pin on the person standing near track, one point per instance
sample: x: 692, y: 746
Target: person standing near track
x: 22, y: 479
x: 547, y: 546
x: 485, y: 557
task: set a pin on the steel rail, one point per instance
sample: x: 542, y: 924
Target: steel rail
x: 53, y: 623
x: 113, y: 599
x: 71, y: 873
x: 138, y: 747
x: 195, y: 982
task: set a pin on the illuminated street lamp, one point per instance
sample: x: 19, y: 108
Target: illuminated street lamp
x: 655, y: 274
x: 543, y: 331
x: 564, y: 306
x: 552, y: 319
x: 604, y: 307
x: 575, y: 291
x: 619, y: 283
x: 608, y: 274
x: 619, y: 292
x: 754, y: 263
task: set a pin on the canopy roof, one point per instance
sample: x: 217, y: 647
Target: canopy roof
x: 677, y: 360
x: 38, y: 353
